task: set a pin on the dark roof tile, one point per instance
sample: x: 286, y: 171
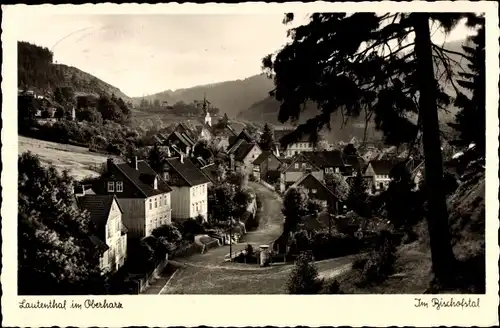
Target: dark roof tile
x: 191, y: 175
x: 143, y: 178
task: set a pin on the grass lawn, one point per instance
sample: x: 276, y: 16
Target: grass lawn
x: 78, y: 160
x: 412, y: 274
x: 238, y: 278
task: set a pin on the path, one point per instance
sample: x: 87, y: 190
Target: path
x: 209, y: 274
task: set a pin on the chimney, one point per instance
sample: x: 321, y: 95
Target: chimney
x: 109, y: 164
x: 83, y: 190
x: 169, y: 154
x: 277, y: 151
x: 188, y: 150
x: 134, y: 163
x: 182, y: 158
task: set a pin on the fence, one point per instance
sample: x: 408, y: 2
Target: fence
x: 144, y: 281
x: 267, y: 185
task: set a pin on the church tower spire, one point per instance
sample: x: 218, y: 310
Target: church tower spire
x: 208, y: 118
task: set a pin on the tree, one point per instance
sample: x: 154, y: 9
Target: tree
x: 156, y: 103
x: 267, y: 138
x: 157, y: 158
x: 400, y: 200
x: 27, y: 106
x: 294, y: 208
x: 304, y: 278
x: 168, y: 235
x: 90, y: 115
x: 338, y: 185
x: 109, y: 109
x: 470, y: 120
x: 358, y: 196
x: 221, y: 204
x: 202, y: 149
x: 350, y: 150
x: 383, y: 69
x: 55, y: 253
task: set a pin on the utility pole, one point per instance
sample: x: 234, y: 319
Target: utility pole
x: 230, y: 239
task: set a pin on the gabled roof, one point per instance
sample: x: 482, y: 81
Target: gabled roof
x: 232, y: 149
x: 243, y: 135
x: 325, y: 158
x: 242, y: 150
x: 295, y: 159
x: 210, y: 172
x: 264, y: 156
x: 99, y: 207
x: 279, y: 134
x: 225, y: 131
x: 384, y: 166
x: 311, y: 176
x: 190, y: 174
x: 143, y: 178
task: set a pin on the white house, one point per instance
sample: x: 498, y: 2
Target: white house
x: 189, y: 185
x: 300, y: 146
x: 110, y: 234
x: 143, y: 195
x: 243, y: 153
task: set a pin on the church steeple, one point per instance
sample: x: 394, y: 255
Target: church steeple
x: 208, y: 119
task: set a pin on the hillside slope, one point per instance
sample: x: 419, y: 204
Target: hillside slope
x: 266, y: 110
x: 36, y: 70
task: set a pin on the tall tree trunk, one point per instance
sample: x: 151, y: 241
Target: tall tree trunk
x: 443, y: 259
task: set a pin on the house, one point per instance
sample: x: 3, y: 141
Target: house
x: 110, y: 232
x: 317, y: 190
x: 292, y: 172
x: 266, y: 166
x: 242, y: 154
x: 329, y: 162
x: 243, y: 135
x: 354, y: 163
x: 189, y: 185
x: 181, y: 141
x: 143, y: 195
x: 211, y: 172
x: 379, y: 171
x: 301, y: 145
x: 222, y: 133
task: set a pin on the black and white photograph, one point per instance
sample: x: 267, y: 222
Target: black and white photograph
x: 293, y: 151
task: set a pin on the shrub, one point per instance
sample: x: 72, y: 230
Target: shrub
x: 333, y: 288
x: 304, y: 278
x: 380, y: 262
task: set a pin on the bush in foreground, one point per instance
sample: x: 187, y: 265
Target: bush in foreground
x: 304, y: 278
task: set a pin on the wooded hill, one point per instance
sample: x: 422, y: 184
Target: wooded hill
x: 37, y: 71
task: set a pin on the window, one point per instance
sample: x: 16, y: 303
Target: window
x: 194, y: 193
x: 119, y: 186
x: 296, y: 165
x: 314, y: 191
x: 110, y: 228
x: 156, y: 203
x: 337, y: 170
x: 304, y: 165
x: 119, y: 246
x: 111, y: 186
x: 150, y: 204
x: 117, y: 228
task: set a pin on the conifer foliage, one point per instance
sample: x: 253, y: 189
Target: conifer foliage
x: 470, y: 120
x: 381, y: 65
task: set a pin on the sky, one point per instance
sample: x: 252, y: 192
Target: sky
x: 145, y: 54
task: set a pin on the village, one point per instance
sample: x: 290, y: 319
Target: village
x: 294, y: 180
x: 144, y: 202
